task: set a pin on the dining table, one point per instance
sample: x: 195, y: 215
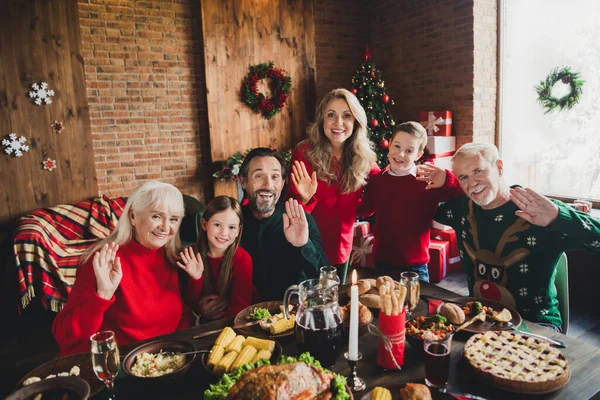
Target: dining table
x: 583, y: 358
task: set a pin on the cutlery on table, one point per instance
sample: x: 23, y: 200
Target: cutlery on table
x: 478, y: 317
x: 466, y: 395
x: 197, y: 352
x: 208, y: 333
x: 555, y: 342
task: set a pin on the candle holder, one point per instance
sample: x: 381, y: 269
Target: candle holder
x: 355, y: 382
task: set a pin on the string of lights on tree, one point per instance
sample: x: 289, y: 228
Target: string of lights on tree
x: 369, y: 87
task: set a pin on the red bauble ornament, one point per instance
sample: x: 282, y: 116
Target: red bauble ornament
x: 374, y: 123
x: 372, y: 74
x: 385, y: 98
x: 354, y: 91
x: 384, y: 143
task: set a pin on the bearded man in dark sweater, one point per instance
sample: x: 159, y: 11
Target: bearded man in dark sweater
x: 510, y: 238
x: 283, y: 241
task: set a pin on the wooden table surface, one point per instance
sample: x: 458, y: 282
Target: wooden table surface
x: 584, y: 362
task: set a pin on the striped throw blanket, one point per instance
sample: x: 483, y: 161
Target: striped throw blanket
x: 50, y: 241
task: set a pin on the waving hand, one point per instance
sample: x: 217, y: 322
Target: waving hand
x: 295, y: 225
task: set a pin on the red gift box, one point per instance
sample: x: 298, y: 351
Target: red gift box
x: 362, y: 228
x: 362, y: 251
x: 438, y: 258
x: 449, y: 235
x: 390, y: 352
x: 437, y: 225
x: 437, y: 123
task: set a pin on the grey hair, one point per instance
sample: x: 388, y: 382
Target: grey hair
x: 153, y: 195
x: 487, y: 150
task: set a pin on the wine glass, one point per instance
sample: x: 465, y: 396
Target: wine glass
x: 410, y: 280
x: 105, y: 358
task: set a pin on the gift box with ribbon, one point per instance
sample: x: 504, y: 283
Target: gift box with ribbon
x: 390, y: 353
x: 437, y: 123
x: 362, y: 251
x: 362, y: 228
x: 438, y: 260
x: 449, y: 235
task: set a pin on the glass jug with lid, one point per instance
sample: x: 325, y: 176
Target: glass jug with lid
x: 319, y: 328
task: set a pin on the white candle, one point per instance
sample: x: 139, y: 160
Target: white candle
x: 353, y: 336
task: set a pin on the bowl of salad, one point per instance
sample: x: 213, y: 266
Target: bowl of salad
x: 431, y: 325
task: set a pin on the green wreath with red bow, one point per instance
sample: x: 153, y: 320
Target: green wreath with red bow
x: 281, y: 85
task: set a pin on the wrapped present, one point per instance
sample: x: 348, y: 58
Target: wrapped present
x: 437, y: 225
x: 441, y: 146
x: 438, y: 260
x: 443, y: 162
x: 437, y: 123
x: 390, y: 352
x: 449, y: 236
x: 362, y: 251
x: 361, y: 228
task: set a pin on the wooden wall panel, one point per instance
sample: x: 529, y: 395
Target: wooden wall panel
x: 40, y: 41
x: 241, y: 33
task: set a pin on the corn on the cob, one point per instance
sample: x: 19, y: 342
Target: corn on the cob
x: 216, y: 354
x: 225, y: 337
x: 260, y: 344
x: 236, y: 344
x: 262, y: 355
x: 282, y: 325
x: 225, y: 363
x: 380, y: 393
x: 245, y: 356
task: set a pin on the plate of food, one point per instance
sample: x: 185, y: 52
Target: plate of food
x: 496, y: 314
x: 301, y: 377
x: 417, y: 327
x: 272, y: 321
x: 404, y: 391
x: 231, y: 350
x: 79, y: 364
x: 59, y: 388
x: 159, y: 360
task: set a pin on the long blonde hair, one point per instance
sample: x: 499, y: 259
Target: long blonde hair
x: 358, y: 155
x: 153, y: 195
x: 218, y: 205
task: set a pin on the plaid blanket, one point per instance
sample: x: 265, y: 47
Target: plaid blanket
x: 50, y: 241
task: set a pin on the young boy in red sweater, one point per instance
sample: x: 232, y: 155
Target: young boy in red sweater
x: 404, y: 197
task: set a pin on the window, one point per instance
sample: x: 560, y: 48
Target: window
x: 557, y: 153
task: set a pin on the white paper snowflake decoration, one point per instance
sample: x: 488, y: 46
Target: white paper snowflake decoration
x: 15, y: 146
x: 49, y: 164
x: 41, y: 93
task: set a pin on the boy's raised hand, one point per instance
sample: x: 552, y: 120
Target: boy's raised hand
x: 191, y: 263
x: 295, y: 225
x: 434, y: 176
x: 306, y: 184
x: 107, y: 269
x: 534, y: 207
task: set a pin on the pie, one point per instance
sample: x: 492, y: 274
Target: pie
x: 516, y: 362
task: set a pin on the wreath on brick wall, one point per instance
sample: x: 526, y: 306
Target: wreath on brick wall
x: 566, y: 76
x: 280, y: 89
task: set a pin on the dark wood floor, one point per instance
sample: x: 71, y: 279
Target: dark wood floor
x: 27, y: 342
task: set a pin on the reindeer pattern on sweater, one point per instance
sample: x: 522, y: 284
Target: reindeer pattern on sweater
x: 511, y: 261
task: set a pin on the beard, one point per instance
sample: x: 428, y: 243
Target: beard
x: 483, y: 201
x: 263, y: 206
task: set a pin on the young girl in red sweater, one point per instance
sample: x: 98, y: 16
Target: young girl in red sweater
x: 227, y: 287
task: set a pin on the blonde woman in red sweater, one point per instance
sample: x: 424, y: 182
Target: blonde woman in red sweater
x: 330, y: 168
x: 128, y: 282
x: 227, y: 287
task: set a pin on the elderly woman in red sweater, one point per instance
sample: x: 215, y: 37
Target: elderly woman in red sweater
x: 128, y: 282
x: 330, y: 168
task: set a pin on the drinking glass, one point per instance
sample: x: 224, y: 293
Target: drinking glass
x: 410, y: 280
x: 327, y: 274
x: 437, y: 360
x: 105, y: 358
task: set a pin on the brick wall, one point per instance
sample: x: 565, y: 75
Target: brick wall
x: 485, y: 27
x: 146, y: 92
x: 425, y: 52
x: 341, y: 34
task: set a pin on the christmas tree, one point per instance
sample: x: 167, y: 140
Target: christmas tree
x: 368, y: 86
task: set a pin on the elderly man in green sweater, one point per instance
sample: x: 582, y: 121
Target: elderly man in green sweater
x: 284, y: 241
x: 510, y: 238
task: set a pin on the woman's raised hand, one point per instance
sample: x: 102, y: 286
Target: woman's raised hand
x: 306, y: 184
x: 434, y: 176
x: 191, y: 263
x: 107, y: 268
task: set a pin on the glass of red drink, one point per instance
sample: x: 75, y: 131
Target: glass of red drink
x: 437, y: 360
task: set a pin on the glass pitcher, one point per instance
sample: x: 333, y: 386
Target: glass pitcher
x: 319, y: 328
